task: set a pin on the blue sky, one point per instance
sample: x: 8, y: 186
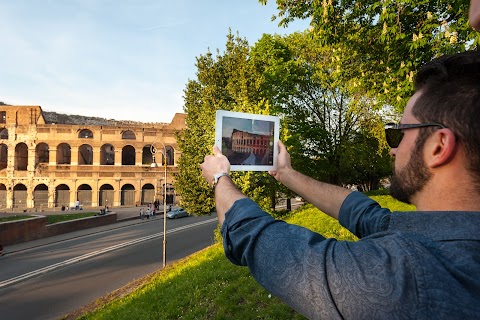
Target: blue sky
x: 124, y: 59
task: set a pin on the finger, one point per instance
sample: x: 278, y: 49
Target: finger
x: 281, y: 147
x: 216, y: 151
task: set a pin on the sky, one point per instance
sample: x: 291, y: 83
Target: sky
x: 123, y: 59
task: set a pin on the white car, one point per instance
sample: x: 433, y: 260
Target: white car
x: 177, y: 213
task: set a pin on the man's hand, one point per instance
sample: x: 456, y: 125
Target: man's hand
x: 474, y: 14
x: 284, y: 163
x: 214, y: 164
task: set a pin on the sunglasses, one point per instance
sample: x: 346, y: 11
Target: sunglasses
x: 394, y: 132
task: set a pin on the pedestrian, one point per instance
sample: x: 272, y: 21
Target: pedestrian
x: 77, y: 205
x: 407, y: 265
x: 141, y: 213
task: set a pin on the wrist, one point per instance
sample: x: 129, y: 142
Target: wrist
x: 217, y: 177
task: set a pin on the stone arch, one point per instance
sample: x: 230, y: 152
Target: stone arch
x: 3, y: 156
x: 170, y: 156
x: 85, y: 154
x: 107, y: 155
x: 148, y: 193
x: 147, y: 158
x: 85, y: 134
x: 62, y: 195
x: 4, y: 133
x: 40, y: 196
x: 3, y: 196
x: 42, y: 153
x: 128, y: 155
x: 127, y: 197
x: 21, y: 157
x: 128, y: 135
x: 20, y: 196
x: 84, y: 195
x: 64, y: 153
x: 105, y: 196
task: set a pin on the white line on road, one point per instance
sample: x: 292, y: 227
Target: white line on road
x: 89, y: 255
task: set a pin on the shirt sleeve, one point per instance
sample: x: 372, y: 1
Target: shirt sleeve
x: 318, y: 277
x: 362, y: 215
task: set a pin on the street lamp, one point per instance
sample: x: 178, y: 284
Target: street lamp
x: 154, y: 164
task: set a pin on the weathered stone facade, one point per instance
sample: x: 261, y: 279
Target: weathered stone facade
x: 46, y: 164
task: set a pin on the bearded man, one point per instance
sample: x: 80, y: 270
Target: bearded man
x: 423, y: 264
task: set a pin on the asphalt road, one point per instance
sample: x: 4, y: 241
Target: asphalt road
x: 49, y: 279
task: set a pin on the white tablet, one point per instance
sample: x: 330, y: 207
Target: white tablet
x: 249, y: 141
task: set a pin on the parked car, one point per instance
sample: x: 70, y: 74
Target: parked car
x: 177, y: 213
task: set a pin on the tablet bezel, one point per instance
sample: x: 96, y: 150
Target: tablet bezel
x: 221, y: 114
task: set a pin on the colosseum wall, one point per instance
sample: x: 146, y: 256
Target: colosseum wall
x: 46, y: 164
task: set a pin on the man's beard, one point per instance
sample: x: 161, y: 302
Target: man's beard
x: 409, y: 180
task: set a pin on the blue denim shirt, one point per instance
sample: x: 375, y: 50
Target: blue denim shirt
x: 406, y: 265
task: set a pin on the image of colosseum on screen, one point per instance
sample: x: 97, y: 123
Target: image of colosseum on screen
x: 248, y: 141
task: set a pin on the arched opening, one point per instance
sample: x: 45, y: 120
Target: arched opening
x: 147, y: 157
x: 148, y: 193
x: 170, y: 156
x: 40, y: 196
x: 127, y: 197
x: 85, y: 134
x: 64, y: 154
x: 84, y: 195
x: 20, y: 196
x: 21, y: 157
x: 62, y: 195
x: 106, y: 196
x: 4, y: 133
x: 3, y: 196
x: 3, y: 156
x: 41, y: 153
x: 128, y: 135
x: 128, y: 156
x: 107, y: 155
x: 85, y: 154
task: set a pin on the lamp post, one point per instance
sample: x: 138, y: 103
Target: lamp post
x: 154, y: 164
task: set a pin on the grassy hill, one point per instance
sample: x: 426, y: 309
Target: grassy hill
x: 206, y: 285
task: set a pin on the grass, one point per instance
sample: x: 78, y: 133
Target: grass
x: 52, y: 218
x: 14, y: 218
x: 206, y: 285
x: 55, y: 218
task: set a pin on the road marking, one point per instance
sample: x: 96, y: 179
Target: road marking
x: 92, y: 254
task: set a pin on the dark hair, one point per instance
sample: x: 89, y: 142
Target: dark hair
x: 450, y: 95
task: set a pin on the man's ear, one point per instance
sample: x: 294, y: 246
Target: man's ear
x: 440, y: 148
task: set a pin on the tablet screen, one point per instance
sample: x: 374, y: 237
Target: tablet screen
x: 249, y: 141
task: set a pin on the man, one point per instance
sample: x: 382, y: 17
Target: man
x: 406, y: 265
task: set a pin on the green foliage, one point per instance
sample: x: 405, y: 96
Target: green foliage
x: 227, y: 81
x: 379, y: 45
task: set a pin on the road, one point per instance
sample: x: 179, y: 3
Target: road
x: 52, y: 279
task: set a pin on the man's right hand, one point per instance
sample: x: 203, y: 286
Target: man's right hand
x: 284, y: 163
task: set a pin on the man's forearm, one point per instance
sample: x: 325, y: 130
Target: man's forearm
x: 326, y: 197
x: 226, y: 193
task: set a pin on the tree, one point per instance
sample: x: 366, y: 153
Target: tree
x: 323, y: 117
x: 228, y: 82
x: 379, y: 45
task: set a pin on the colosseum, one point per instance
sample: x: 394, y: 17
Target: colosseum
x: 50, y: 160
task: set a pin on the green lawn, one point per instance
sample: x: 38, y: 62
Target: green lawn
x: 52, y: 218
x: 14, y: 218
x: 206, y: 285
